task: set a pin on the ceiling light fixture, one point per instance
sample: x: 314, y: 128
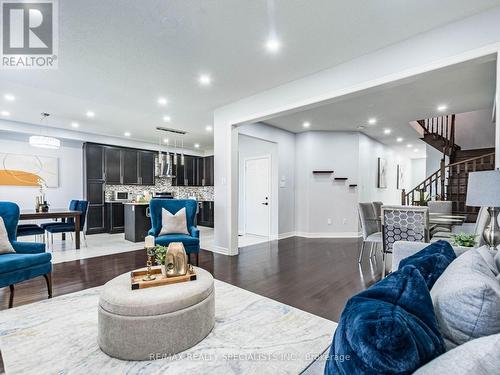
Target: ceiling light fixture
x: 208, y: 128
x: 162, y: 101
x: 75, y: 124
x: 196, y: 145
x: 165, y: 140
x: 5, y: 113
x: 372, y: 121
x: 44, y: 141
x: 90, y: 114
x: 399, y: 139
x: 387, y: 131
x: 409, y: 145
x: 442, y: 107
x: 415, y: 150
x: 306, y: 124
x: 9, y: 97
x: 167, y: 118
x: 273, y: 45
x: 204, y: 79
x: 127, y: 134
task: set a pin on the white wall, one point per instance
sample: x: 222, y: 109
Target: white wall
x: 285, y: 143
x: 250, y: 147
x: 319, y: 198
x: 433, y: 160
x: 70, y: 172
x: 475, y: 129
x: 418, y: 171
x: 466, y: 39
x: 369, y: 152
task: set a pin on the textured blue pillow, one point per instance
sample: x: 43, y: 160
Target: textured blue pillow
x: 389, y: 328
x: 431, y: 261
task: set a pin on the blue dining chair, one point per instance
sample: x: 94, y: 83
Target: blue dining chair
x: 69, y: 226
x: 190, y: 241
x: 29, y: 260
x: 24, y: 230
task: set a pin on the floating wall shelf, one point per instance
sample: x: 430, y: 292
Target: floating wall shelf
x: 352, y: 185
x: 340, y: 178
x: 322, y: 172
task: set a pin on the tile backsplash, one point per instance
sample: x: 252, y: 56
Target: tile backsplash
x: 162, y: 184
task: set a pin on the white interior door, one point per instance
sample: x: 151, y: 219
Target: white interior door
x: 257, y: 195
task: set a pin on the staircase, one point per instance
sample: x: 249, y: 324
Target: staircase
x: 449, y: 182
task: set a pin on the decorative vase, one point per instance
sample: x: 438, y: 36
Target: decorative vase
x: 163, y: 270
x: 176, y: 263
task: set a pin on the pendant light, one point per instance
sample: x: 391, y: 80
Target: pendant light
x: 44, y: 141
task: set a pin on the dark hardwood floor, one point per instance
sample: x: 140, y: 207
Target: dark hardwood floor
x: 315, y: 275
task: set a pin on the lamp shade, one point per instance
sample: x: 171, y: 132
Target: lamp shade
x: 483, y: 189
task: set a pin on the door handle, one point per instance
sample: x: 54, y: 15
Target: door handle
x: 265, y: 204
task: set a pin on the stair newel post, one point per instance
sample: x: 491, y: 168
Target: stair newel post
x: 403, y: 197
x: 442, y: 177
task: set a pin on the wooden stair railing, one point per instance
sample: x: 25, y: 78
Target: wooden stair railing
x: 437, y: 184
x: 439, y: 132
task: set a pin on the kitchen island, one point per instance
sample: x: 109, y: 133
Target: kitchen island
x: 137, y: 221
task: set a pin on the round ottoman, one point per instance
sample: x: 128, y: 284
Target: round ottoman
x: 146, y: 324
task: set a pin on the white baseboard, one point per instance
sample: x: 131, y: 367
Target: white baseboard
x: 329, y: 235
x: 219, y: 250
x: 282, y: 236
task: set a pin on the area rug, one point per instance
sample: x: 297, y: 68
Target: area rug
x: 252, y: 335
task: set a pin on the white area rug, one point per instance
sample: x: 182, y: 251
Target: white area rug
x: 252, y: 335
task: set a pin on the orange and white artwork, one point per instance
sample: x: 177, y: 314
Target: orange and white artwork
x: 29, y: 170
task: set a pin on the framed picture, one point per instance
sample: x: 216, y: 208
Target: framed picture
x: 400, y: 182
x: 382, y: 173
x: 29, y: 170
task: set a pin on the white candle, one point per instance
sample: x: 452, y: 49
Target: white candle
x: 149, y: 242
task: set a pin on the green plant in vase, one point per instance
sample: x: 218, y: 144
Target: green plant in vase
x: 463, y: 239
x: 160, y: 256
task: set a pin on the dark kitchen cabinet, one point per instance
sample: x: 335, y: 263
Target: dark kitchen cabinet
x: 94, y: 185
x: 208, y: 171
x: 130, y: 167
x: 196, y: 171
x: 190, y: 166
x: 113, y: 166
x: 147, y: 168
x: 205, y: 216
x: 178, y: 170
x: 115, y: 217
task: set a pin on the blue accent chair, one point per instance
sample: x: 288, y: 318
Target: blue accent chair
x: 69, y: 226
x: 30, y: 259
x: 191, y: 242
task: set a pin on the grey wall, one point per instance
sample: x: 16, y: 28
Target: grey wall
x: 475, y: 129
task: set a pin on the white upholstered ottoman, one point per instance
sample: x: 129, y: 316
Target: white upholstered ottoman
x: 151, y: 323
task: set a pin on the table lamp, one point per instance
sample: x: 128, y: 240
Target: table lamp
x: 483, y: 190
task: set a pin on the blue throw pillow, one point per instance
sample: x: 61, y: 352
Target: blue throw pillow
x: 431, y: 261
x: 389, y: 328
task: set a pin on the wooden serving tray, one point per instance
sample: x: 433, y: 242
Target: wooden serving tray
x: 137, y: 276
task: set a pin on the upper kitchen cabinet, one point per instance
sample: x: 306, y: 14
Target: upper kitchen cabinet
x: 113, y: 165
x: 208, y: 171
x: 196, y: 171
x: 147, y: 168
x: 94, y: 161
x: 130, y: 167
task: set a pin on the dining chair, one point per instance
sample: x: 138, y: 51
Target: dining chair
x: 403, y: 223
x: 369, y: 227
x: 69, y: 226
x: 440, y: 207
x: 377, y: 206
x: 24, y: 230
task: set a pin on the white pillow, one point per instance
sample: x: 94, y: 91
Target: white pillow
x: 173, y: 224
x: 5, y: 245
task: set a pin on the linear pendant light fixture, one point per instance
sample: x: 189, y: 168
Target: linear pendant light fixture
x: 44, y: 141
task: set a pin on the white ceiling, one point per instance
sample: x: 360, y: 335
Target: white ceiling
x: 464, y: 87
x: 116, y: 57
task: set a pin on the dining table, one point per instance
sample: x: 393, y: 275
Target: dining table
x: 62, y: 214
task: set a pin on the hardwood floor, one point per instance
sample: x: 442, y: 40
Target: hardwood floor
x: 315, y: 275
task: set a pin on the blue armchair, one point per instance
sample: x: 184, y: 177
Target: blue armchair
x: 191, y: 242
x: 30, y: 259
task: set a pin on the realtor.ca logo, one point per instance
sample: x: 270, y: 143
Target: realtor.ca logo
x: 29, y: 34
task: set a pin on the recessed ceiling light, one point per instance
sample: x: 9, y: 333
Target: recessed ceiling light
x: 442, y: 107
x: 306, y: 124
x: 162, y: 101
x: 372, y: 121
x: 90, y: 114
x: 167, y: 118
x: 204, y: 79
x: 208, y: 128
x: 127, y: 134
x: 75, y: 124
x: 387, y: 131
x: 415, y: 150
x: 409, y: 145
x: 5, y: 113
x: 196, y: 145
x: 273, y: 45
x: 399, y: 139
x: 9, y: 97
x: 165, y: 140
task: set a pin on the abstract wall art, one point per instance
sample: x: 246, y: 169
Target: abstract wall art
x: 29, y: 170
x: 382, y: 173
